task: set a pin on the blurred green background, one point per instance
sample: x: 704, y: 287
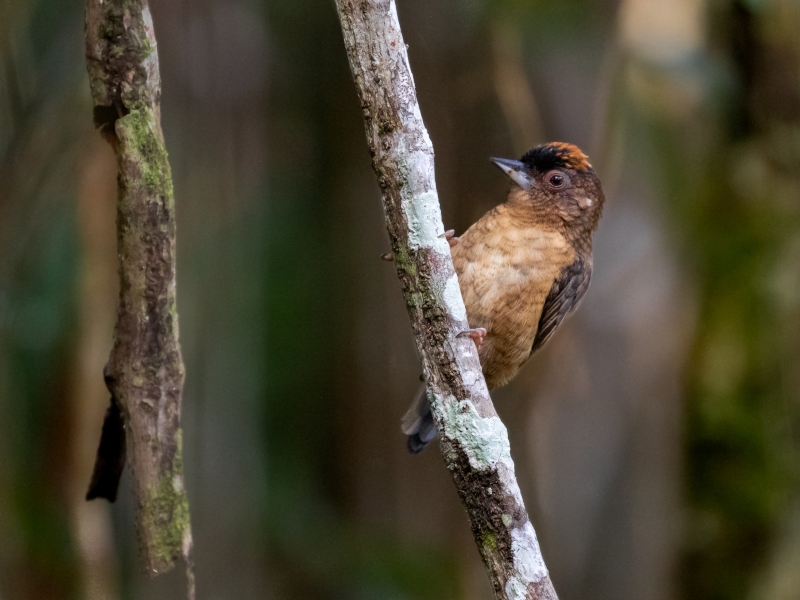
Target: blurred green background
x: 656, y: 437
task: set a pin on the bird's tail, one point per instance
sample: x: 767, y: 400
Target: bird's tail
x: 418, y: 422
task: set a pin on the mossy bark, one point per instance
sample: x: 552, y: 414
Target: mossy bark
x: 145, y: 372
x: 474, y: 442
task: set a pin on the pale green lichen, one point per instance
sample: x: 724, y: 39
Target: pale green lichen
x: 453, y: 300
x: 516, y: 589
x: 425, y: 222
x: 528, y: 562
x: 485, y: 440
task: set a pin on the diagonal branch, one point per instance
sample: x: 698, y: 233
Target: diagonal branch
x: 473, y: 439
x: 145, y: 370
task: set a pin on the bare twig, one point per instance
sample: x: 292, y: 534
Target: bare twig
x: 145, y: 371
x: 473, y: 439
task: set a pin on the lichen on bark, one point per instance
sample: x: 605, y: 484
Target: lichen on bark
x: 145, y: 372
x: 474, y: 442
x: 165, y: 511
x: 141, y: 135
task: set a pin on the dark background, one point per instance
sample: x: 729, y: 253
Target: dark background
x: 655, y: 438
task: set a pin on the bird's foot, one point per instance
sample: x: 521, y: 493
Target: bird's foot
x: 477, y: 334
x: 449, y: 235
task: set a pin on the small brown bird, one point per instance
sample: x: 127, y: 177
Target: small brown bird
x: 523, y: 267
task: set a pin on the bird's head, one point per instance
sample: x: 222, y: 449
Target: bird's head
x: 556, y: 182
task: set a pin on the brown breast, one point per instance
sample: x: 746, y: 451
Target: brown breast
x: 506, y: 269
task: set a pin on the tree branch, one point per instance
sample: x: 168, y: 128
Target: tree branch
x: 145, y: 370
x: 474, y: 441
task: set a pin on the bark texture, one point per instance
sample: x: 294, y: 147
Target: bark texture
x: 145, y: 372
x: 474, y: 441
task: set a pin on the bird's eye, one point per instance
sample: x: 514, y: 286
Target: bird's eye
x: 556, y: 180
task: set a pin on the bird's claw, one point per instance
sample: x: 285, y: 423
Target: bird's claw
x: 449, y: 235
x: 477, y: 334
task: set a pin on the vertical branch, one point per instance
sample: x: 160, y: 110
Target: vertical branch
x: 474, y: 441
x: 145, y: 370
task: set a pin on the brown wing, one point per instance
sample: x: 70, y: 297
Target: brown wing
x: 563, y: 299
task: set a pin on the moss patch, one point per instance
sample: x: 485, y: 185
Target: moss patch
x: 489, y: 542
x: 165, y: 513
x: 137, y: 130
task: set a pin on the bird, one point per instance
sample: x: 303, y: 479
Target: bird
x: 522, y: 267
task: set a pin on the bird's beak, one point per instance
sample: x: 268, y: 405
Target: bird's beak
x: 517, y: 171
